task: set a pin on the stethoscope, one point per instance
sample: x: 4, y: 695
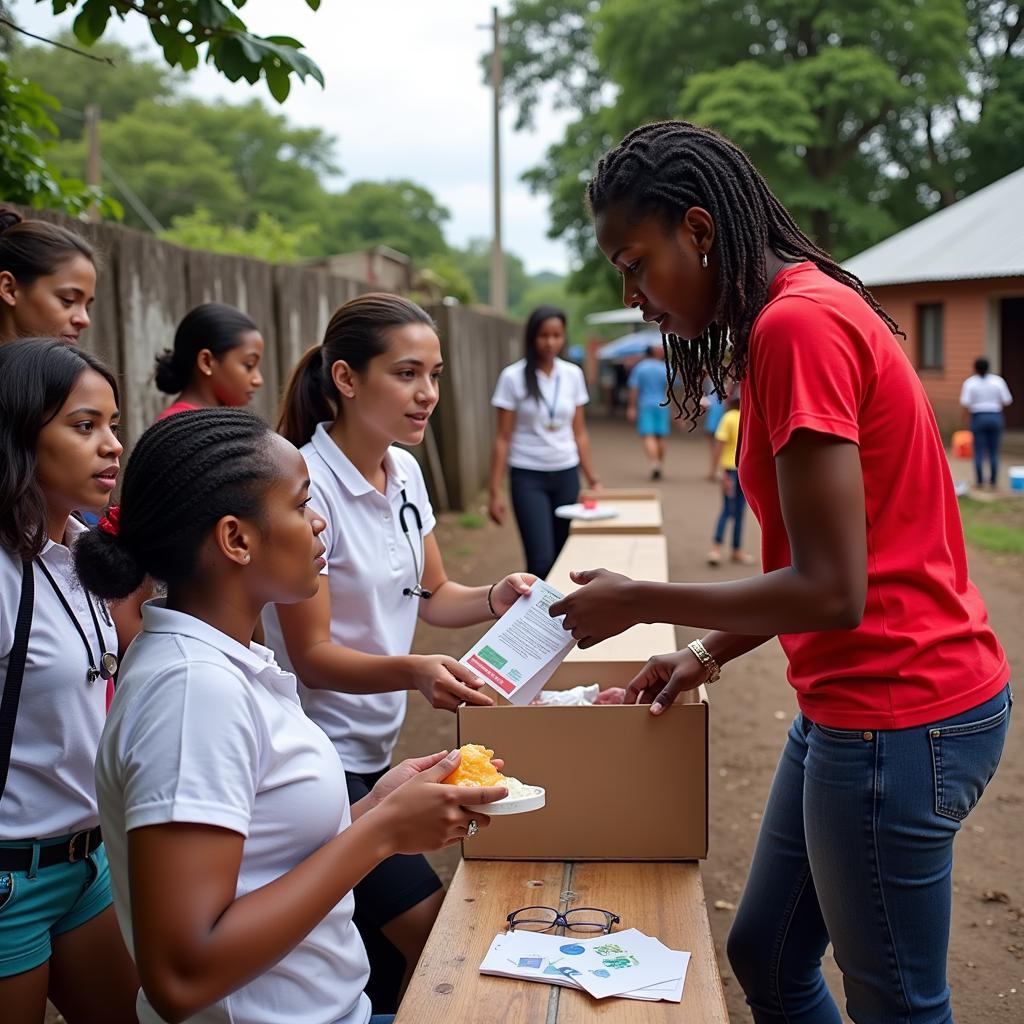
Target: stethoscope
x: 417, y: 561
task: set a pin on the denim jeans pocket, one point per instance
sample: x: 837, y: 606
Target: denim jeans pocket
x: 849, y: 735
x: 965, y: 756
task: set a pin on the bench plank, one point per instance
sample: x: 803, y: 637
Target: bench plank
x: 615, y: 661
x: 447, y: 985
x: 638, y: 516
x: 664, y: 900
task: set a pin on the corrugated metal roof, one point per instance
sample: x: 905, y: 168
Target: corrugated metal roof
x: 978, y: 237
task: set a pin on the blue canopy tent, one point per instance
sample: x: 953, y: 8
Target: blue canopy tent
x: 635, y: 344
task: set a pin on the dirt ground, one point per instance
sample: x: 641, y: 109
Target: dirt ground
x: 751, y: 710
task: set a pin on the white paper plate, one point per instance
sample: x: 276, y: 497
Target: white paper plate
x: 520, y: 805
x: 577, y: 511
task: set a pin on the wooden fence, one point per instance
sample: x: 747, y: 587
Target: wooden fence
x: 146, y: 286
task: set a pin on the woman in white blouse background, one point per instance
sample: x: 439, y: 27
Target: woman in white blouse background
x: 542, y: 439
x: 984, y: 395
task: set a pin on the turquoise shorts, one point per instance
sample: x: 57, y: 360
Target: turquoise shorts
x: 55, y: 900
x: 653, y: 421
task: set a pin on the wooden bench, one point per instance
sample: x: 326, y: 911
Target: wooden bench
x: 664, y: 900
x: 635, y: 515
x: 618, y: 659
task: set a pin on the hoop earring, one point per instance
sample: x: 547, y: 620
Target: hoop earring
x: 704, y: 260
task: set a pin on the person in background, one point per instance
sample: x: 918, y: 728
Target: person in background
x: 234, y: 849
x: 59, y: 452
x: 733, y: 503
x: 984, y: 395
x: 542, y: 440
x: 47, y: 280
x: 713, y: 408
x: 215, y: 360
x: 648, y: 407
x: 355, y: 404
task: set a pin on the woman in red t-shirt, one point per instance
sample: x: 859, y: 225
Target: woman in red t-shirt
x: 215, y: 360
x: 902, y: 686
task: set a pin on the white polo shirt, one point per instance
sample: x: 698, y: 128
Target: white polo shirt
x: 542, y: 437
x: 50, y: 787
x: 203, y: 729
x: 369, y: 564
x: 985, y: 394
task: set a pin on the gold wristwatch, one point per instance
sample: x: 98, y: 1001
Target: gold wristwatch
x: 700, y: 652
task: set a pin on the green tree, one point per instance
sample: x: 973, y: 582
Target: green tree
x: 267, y: 240
x: 171, y: 169
x: 116, y: 88
x: 184, y: 30
x: 852, y: 109
x: 475, y: 262
x: 277, y: 166
x: 398, y: 213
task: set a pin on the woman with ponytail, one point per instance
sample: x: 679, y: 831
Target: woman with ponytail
x: 59, y: 452
x: 902, y: 685
x: 233, y: 846
x: 371, y: 386
x: 215, y: 360
x: 47, y: 280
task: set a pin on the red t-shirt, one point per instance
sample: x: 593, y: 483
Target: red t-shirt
x: 176, y: 407
x: 820, y: 359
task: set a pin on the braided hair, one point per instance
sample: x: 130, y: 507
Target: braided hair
x: 186, y: 473
x: 664, y: 169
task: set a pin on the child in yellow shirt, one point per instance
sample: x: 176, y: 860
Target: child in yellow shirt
x: 733, y: 503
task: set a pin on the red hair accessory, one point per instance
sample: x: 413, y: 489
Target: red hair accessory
x: 111, y: 522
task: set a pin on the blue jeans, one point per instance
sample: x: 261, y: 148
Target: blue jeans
x: 856, y: 848
x: 987, y: 428
x: 382, y: 1018
x: 733, y: 506
x: 535, y: 496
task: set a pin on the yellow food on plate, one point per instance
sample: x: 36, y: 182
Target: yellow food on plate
x: 475, y: 768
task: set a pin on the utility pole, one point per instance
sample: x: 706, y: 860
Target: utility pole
x: 92, y: 164
x: 499, y: 290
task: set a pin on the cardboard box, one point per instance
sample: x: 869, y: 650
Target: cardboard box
x: 620, y: 784
x: 615, y: 661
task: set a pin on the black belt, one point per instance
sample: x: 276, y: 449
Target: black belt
x: 70, y: 851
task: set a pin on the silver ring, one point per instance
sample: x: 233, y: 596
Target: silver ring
x: 472, y: 829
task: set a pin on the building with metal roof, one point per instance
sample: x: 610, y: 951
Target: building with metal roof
x: 955, y: 283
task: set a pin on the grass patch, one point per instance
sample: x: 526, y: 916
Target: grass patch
x: 471, y: 521
x: 994, y: 526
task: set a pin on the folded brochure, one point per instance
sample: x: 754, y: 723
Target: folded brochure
x: 521, y: 651
x: 628, y: 964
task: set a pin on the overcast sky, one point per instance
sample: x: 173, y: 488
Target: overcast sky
x: 404, y: 97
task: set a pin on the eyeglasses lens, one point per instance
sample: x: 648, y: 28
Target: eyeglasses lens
x: 587, y: 920
x: 534, y: 919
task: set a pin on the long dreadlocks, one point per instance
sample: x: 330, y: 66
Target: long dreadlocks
x: 668, y: 167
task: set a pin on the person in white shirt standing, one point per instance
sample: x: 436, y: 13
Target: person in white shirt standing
x: 233, y: 847
x: 542, y: 439
x: 370, y: 386
x: 59, y: 452
x: 984, y: 395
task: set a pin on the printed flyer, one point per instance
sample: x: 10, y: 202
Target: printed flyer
x: 520, y: 652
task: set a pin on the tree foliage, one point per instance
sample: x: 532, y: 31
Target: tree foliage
x: 267, y: 240
x: 864, y: 115
x: 185, y: 30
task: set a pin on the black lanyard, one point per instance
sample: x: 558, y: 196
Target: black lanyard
x: 553, y: 404
x: 107, y: 662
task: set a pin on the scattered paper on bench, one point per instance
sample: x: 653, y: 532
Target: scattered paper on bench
x: 627, y: 964
x: 521, y: 651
